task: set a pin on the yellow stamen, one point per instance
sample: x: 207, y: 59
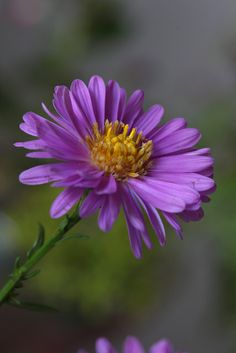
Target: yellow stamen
x: 118, y: 151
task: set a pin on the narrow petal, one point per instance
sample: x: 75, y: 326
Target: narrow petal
x: 97, y: 90
x: 46, y: 173
x: 107, y: 185
x: 156, y: 222
x: 113, y: 93
x: 157, y: 196
x: 133, y: 345
x: 150, y: 119
x: 197, y: 181
x: 134, y: 108
x: 82, y: 96
x: 49, y: 113
x: 132, y: 210
x: 67, y: 117
x: 168, y: 128
x: 193, y: 216
x: 27, y: 129
x: 39, y: 155
x: 65, y: 201
x: 177, y: 141
x: 29, y: 126
x: 122, y: 104
x: 172, y: 220
x: 104, y: 346
x: 90, y: 204
x: 60, y: 142
x: 135, y: 216
x: 201, y: 151
x: 163, y: 346
x: 187, y: 193
x: 109, y: 211
x: 134, y: 238
x: 182, y: 163
x: 62, y: 105
x: 31, y: 145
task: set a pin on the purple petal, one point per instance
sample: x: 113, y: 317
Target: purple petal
x: 104, y: 346
x: 122, y: 104
x: 168, y: 128
x: 31, y: 145
x: 91, y: 181
x: 46, y: 173
x: 134, y: 108
x: 194, y: 216
x: 83, y: 99
x: 109, y: 212
x: 177, y: 141
x: 49, y: 113
x: 172, y: 220
x: 134, y: 215
x: 197, y: 181
x: 150, y: 119
x: 188, y: 194
x: 60, y: 142
x: 113, y: 93
x: 163, y: 346
x: 133, y: 345
x: 132, y: 210
x: 65, y: 201
x: 201, y: 151
x: 90, y: 204
x: 107, y: 185
x: 64, y: 105
x: 134, y: 238
x: 39, y: 155
x: 182, y: 163
x: 156, y: 222
x: 158, y: 196
x: 29, y: 126
x: 97, y: 90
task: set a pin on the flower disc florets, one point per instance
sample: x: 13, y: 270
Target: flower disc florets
x: 118, y: 151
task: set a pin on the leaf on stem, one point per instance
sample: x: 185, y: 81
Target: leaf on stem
x: 38, y: 243
x: 31, y: 306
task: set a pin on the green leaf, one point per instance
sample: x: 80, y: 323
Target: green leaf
x: 64, y: 223
x: 38, y: 243
x: 31, y: 306
x: 17, y: 262
x: 31, y: 274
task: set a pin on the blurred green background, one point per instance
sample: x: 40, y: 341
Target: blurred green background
x: 183, y: 54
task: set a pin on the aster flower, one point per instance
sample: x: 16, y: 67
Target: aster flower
x: 132, y: 345
x: 109, y: 145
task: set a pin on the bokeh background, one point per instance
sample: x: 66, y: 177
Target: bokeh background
x: 183, y: 54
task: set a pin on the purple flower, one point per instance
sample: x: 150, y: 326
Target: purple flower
x: 107, y: 144
x: 132, y: 345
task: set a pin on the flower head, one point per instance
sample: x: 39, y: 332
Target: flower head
x: 106, y: 143
x: 132, y: 345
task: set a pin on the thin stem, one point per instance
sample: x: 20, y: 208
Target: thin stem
x: 22, y: 270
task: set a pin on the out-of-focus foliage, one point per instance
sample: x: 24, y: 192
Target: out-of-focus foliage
x: 221, y: 213
x: 97, y: 277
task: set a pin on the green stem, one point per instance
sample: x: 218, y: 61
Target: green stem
x: 21, y: 271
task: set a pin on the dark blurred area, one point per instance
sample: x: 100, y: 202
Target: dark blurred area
x: 183, y: 54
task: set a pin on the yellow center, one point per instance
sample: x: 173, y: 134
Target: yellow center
x: 118, y: 151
